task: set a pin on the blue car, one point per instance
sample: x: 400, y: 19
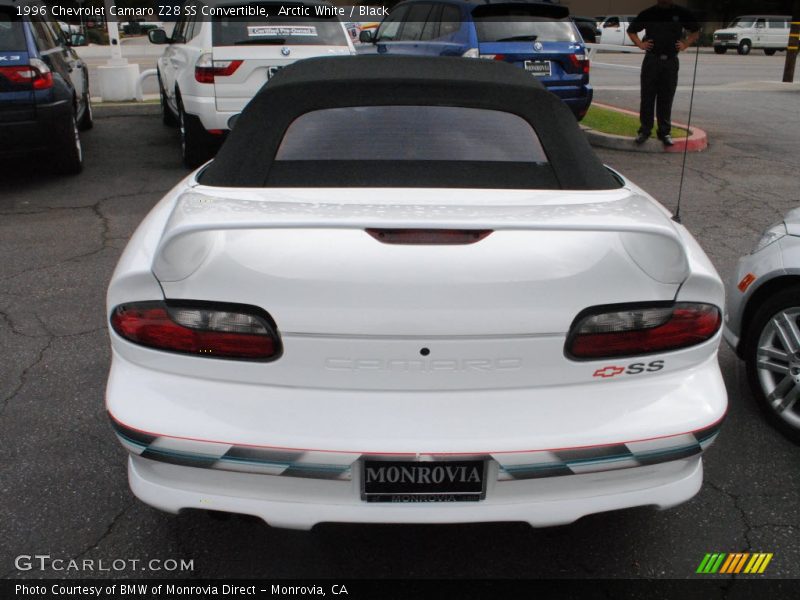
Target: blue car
x: 536, y: 36
x: 44, y: 90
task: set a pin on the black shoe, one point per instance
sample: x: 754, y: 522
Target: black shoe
x: 641, y: 138
x: 667, y: 140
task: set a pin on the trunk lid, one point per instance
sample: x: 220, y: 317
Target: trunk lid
x: 306, y: 258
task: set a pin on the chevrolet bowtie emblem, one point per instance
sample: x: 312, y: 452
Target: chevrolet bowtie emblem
x: 609, y: 371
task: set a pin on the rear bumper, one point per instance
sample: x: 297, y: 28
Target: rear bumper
x: 303, y: 503
x: 578, y: 99
x: 293, y: 456
x: 205, y: 109
x: 36, y: 134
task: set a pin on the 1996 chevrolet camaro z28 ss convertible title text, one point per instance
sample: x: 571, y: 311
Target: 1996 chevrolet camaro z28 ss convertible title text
x: 458, y: 314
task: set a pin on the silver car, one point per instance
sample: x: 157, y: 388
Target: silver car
x: 762, y: 321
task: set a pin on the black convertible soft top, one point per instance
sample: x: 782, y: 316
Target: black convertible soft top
x: 247, y: 159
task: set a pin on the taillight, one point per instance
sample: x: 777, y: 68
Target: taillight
x: 606, y: 332
x: 580, y: 63
x: 429, y: 236
x: 203, y: 329
x: 205, y: 69
x: 37, y: 74
x: 493, y: 56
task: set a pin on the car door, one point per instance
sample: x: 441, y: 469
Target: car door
x: 74, y: 64
x: 446, y: 32
x: 410, y: 40
x: 760, y: 33
x: 388, y: 34
x: 173, y: 59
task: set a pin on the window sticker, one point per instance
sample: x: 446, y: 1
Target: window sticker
x: 281, y: 31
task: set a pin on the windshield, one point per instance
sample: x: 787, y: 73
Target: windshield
x: 742, y: 23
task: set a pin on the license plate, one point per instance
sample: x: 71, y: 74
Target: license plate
x: 271, y: 71
x: 539, y: 68
x: 423, y: 481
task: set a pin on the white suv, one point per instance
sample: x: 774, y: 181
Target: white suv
x: 215, y: 63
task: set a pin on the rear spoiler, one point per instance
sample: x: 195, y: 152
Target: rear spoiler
x: 648, y: 234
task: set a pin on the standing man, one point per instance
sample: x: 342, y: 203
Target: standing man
x: 663, y: 24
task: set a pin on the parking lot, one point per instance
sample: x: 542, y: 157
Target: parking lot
x: 63, y: 488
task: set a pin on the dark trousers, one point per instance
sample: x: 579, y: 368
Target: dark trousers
x: 659, y: 80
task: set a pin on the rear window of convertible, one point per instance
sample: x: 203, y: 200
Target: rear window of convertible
x: 411, y: 133
x: 411, y: 146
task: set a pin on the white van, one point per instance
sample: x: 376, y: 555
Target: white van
x: 768, y: 32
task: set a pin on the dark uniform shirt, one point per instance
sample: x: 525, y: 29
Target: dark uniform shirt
x: 664, y: 26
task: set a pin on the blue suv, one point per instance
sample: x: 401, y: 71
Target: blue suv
x: 536, y: 36
x: 44, y: 90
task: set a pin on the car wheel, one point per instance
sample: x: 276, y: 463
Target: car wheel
x: 167, y: 116
x: 87, y: 118
x: 195, y: 148
x: 770, y: 51
x: 720, y: 49
x: 772, y: 356
x: 744, y: 47
x: 68, y: 159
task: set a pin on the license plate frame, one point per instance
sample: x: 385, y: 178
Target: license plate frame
x: 457, y: 480
x: 539, y: 68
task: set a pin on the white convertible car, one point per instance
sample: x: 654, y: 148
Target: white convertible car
x: 460, y: 316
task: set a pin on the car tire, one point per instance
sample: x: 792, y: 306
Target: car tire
x: 195, y: 145
x: 87, y: 118
x: 720, y: 49
x: 167, y: 116
x: 744, y: 47
x: 770, y: 51
x: 777, y: 394
x: 68, y: 156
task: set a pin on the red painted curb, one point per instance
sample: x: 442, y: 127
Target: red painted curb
x: 696, y: 142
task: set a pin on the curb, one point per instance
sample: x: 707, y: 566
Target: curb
x: 696, y: 142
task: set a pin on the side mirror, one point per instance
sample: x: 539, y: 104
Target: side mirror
x: 157, y: 36
x: 366, y: 36
x: 76, y: 39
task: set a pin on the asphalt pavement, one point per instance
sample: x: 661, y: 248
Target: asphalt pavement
x: 63, y: 487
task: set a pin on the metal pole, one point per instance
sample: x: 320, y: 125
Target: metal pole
x: 791, y: 49
x: 113, y: 36
x: 83, y: 29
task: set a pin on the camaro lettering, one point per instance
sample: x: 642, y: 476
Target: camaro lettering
x: 423, y: 474
x: 423, y: 366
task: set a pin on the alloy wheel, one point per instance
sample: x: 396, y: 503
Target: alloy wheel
x: 778, y: 365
